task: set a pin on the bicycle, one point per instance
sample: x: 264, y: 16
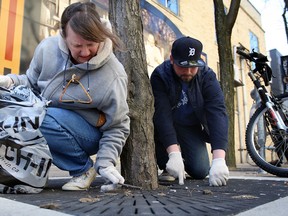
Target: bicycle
x: 266, y: 135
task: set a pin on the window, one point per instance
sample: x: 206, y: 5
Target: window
x: 254, y: 44
x: 172, y: 5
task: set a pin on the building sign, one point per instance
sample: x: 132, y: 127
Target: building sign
x: 11, y: 20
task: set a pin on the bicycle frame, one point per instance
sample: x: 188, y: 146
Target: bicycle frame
x: 266, y: 99
x: 267, y: 130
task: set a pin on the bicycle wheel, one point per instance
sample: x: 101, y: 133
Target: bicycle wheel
x: 266, y: 145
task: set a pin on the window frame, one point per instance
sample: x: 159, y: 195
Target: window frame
x: 165, y: 3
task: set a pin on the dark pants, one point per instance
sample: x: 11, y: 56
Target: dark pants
x: 193, y: 149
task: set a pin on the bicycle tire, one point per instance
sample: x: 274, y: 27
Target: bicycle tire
x: 260, y: 143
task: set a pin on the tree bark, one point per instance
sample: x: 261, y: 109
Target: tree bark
x: 224, y: 25
x: 138, y: 160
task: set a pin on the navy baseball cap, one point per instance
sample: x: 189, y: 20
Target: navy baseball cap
x: 186, y: 52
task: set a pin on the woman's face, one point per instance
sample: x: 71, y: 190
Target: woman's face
x: 81, y: 49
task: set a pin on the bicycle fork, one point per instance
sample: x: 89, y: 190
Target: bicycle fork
x: 276, y: 118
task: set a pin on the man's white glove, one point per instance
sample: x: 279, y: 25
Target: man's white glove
x: 5, y: 81
x: 110, y: 173
x: 175, y: 166
x: 219, y: 173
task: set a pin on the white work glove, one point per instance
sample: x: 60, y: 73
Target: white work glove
x: 175, y: 166
x: 110, y: 173
x: 5, y: 81
x: 219, y: 173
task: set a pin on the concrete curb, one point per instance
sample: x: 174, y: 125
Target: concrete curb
x: 11, y: 208
x: 278, y: 207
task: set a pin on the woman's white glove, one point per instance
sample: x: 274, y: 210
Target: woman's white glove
x: 219, y: 173
x: 110, y: 173
x: 5, y: 81
x: 175, y: 166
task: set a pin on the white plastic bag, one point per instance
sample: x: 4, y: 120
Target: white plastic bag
x: 25, y: 158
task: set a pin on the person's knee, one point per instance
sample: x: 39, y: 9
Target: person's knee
x: 197, y: 172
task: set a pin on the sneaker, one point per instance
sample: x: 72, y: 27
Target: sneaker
x: 166, y: 177
x: 81, y: 182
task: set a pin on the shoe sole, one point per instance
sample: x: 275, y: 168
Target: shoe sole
x: 74, y: 189
x: 166, y: 179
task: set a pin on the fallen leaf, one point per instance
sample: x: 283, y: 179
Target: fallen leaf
x: 128, y: 193
x: 89, y: 199
x: 50, y: 206
x: 207, y: 192
x: 245, y: 197
x: 161, y: 194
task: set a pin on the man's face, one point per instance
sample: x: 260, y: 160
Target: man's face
x: 185, y: 74
x: 81, y: 49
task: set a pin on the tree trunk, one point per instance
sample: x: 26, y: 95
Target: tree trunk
x: 224, y: 24
x: 138, y: 160
x: 227, y: 84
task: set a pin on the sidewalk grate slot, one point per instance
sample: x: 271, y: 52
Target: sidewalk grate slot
x: 148, y: 203
x: 198, y: 209
x: 109, y: 202
x: 184, y: 210
x: 172, y: 201
x: 103, y: 211
x: 168, y: 210
x: 119, y: 212
x: 152, y: 211
x: 121, y: 202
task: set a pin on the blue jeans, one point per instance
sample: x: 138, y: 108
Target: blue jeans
x: 193, y: 150
x: 71, y: 140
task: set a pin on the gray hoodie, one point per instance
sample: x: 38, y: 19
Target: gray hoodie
x: 51, y: 68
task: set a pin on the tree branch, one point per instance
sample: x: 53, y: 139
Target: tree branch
x: 232, y: 14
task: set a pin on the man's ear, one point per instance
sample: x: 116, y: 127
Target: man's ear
x: 171, y: 59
